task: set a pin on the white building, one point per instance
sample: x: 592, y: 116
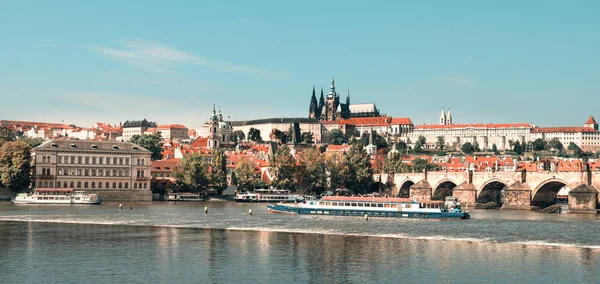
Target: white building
x: 173, y: 131
x: 265, y: 126
x: 136, y: 127
x: 586, y: 137
x: 215, y: 129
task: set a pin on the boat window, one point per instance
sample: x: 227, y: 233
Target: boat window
x: 380, y: 205
x: 353, y: 204
x: 361, y: 204
x: 347, y: 204
x: 394, y: 205
x: 387, y: 205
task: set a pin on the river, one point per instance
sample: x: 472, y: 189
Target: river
x: 178, y: 243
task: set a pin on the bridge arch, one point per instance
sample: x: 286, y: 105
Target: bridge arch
x: 491, y: 191
x: 442, y: 189
x: 545, y: 193
x: 404, y: 189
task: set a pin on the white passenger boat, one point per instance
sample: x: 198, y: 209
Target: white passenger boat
x: 56, y: 196
x: 184, y: 196
x: 374, y: 206
x: 268, y: 195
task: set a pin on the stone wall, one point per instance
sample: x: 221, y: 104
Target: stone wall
x: 420, y: 194
x: 516, y: 199
x: 467, y: 197
x: 122, y: 195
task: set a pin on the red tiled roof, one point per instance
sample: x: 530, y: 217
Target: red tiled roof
x: 474, y: 125
x: 169, y: 126
x: 401, y: 120
x: 201, y: 142
x: 591, y: 120
x: 375, y: 121
x: 563, y: 129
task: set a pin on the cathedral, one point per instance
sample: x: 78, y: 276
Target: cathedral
x: 330, y: 108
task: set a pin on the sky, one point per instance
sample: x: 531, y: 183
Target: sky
x: 170, y: 61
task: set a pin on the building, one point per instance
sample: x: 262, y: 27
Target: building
x: 331, y: 109
x: 91, y: 165
x: 265, y: 126
x: 136, y: 127
x: 173, y: 131
x: 384, y: 125
x: 216, y: 130
x: 586, y: 137
x: 486, y: 135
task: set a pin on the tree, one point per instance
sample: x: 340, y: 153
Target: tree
x: 192, y: 173
x: 33, y: 142
x: 6, y: 135
x: 420, y: 142
x: 517, y: 147
x: 378, y: 140
x: 333, y: 165
x: 276, y: 134
x: 151, y: 143
x: 282, y: 167
x: 495, y: 149
x: 244, y: 173
x: 254, y: 135
x: 440, y: 144
x: 422, y: 164
x: 356, y: 169
x: 476, y: 147
x: 338, y: 137
x: 311, y: 172
x: 307, y: 137
x: 467, y: 148
x: 218, y: 174
x: 539, y: 144
x: 556, y: 144
x: 15, y: 167
x: 238, y: 136
x: 393, y: 163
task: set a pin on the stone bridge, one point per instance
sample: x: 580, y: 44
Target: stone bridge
x: 514, y: 190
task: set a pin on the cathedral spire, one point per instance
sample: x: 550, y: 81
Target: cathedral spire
x: 313, y: 113
x: 348, y: 97
x: 449, y: 118
x: 443, y: 117
x: 332, y: 89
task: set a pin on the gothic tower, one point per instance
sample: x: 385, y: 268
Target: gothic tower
x: 443, y: 117
x: 321, y: 103
x: 348, y: 97
x: 313, y: 106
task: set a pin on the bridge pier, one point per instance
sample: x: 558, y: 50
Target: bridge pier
x: 516, y: 196
x: 421, y: 191
x: 583, y: 199
x: 466, y: 193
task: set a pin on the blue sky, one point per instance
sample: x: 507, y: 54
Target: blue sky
x: 170, y: 61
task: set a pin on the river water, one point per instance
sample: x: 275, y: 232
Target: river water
x: 179, y: 243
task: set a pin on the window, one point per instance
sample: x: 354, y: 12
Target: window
x: 73, y: 145
x: 145, y: 185
x: 120, y: 161
x: 99, y: 185
x: 120, y: 185
x: 87, y: 160
x: 94, y: 146
x: 72, y: 185
x: 114, y: 185
x: 107, y: 185
x: 58, y: 184
x: 126, y: 161
x: 51, y: 184
x: 85, y: 185
x: 94, y: 160
x: 79, y: 159
x: 93, y: 185
x: 100, y: 160
x: 126, y: 185
x: 135, y: 185
x: 115, y: 147
x: 78, y: 184
x: 87, y: 172
x: 43, y: 159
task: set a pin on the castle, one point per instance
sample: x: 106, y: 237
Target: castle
x: 331, y: 109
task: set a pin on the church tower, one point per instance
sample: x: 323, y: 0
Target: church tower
x: 591, y: 122
x: 313, y: 106
x: 443, y: 117
x: 449, y: 118
x: 333, y: 100
x: 348, y: 98
x: 321, y: 104
x: 213, y: 128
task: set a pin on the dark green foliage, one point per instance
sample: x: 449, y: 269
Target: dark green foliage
x: 151, y: 143
x: 15, y: 167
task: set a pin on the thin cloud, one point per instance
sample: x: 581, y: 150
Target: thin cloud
x: 159, y: 57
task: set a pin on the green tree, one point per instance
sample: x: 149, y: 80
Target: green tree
x: 338, y: 137
x: 476, y: 147
x: 539, y: 144
x: 333, y: 164
x: 282, y: 167
x: 420, y: 143
x: 15, y: 167
x: 517, y: 147
x: 254, y: 135
x: 6, y: 135
x: 311, y: 172
x: 556, y: 144
x: 467, y: 148
x: 495, y: 149
x: 422, y: 164
x: 357, y: 170
x: 151, y: 143
x: 378, y: 140
x: 218, y: 174
x: 277, y: 135
x: 192, y: 173
x: 33, y: 142
x: 238, y: 136
x: 307, y: 137
x: 244, y: 173
x: 440, y: 144
x: 393, y: 163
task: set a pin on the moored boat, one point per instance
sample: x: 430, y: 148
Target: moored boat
x: 57, y: 196
x: 375, y: 207
x: 268, y: 195
x: 184, y: 196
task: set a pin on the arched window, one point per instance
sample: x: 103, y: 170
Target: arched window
x: 51, y: 184
x: 126, y: 185
x: 85, y: 185
x: 145, y: 185
x: 43, y: 159
x: 114, y: 185
x: 40, y: 184
x: 72, y: 185
x: 93, y: 185
x: 65, y: 184
x: 78, y: 184
x: 58, y: 184
x: 107, y: 185
x: 99, y: 185
x: 45, y: 184
x: 138, y: 173
x: 134, y: 185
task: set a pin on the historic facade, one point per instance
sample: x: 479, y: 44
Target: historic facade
x: 331, y: 108
x: 102, y: 165
x: 173, y: 131
x: 216, y: 130
x: 265, y: 126
x: 136, y: 127
x: 586, y: 137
